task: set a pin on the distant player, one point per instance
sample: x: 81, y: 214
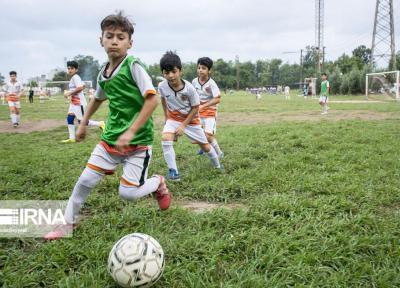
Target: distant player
x: 210, y: 96
x: 14, y: 91
x: 128, y: 137
x: 77, y: 104
x: 180, y: 103
x: 286, y: 91
x: 325, y: 88
x: 42, y: 95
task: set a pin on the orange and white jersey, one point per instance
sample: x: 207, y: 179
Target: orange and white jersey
x: 75, y: 82
x: 207, y: 91
x: 13, y: 90
x: 180, y: 103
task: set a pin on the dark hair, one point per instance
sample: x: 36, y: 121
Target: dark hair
x: 13, y: 73
x: 324, y: 74
x: 206, y: 61
x: 73, y: 64
x: 169, y: 61
x: 118, y: 20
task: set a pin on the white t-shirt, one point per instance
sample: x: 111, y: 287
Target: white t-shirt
x: 180, y: 103
x: 74, y: 83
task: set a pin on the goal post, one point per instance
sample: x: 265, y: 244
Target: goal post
x: 386, y: 84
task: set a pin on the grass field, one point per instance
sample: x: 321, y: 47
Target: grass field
x: 319, y: 200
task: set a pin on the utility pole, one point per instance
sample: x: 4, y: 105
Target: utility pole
x: 383, y: 50
x: 319, y: 32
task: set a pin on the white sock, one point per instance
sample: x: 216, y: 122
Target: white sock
x: 214, y: 144
x: 169, y: 154
x: 94, y: 123
x: 212, y: 155
x: 71, y: 131
x: 13, y: 118
x: 18, y: 118
x: 132, y: 192
x: 325, y: 108
x: 86, y: 182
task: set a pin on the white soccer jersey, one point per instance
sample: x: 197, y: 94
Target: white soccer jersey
x: 207, y: 91
x: 180, y: 103
x: 13, y: 90
x: 75, y: 82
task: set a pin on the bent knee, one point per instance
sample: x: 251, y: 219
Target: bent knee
x: 128, y: 192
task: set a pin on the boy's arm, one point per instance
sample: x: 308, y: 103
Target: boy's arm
x: 180, y: 130
x: 164, y: 106
x: 212, y: 102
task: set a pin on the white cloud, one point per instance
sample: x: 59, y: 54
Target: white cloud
x: 36, y: 35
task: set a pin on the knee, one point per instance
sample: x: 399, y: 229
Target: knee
x: 70, y: 119
x: 206, y: 147
x: 167, y: 143
x: 89, y: 178
x: 128, y: 192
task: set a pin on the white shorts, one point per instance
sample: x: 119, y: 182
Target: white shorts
x: 135, y: 165
x: 194, y: 132
x: 77, y: 110
x: 15, y: 104
x: 323, y: 99
x: 209, y: 125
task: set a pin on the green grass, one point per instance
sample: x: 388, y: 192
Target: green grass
x: 321, y: 204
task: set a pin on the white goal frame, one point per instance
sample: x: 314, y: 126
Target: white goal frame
x: 397, y: 84
x: 42, y: 84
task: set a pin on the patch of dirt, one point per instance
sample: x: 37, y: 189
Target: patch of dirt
x: 243, y: 118
x: 30, y: 126
x: 199, y: 207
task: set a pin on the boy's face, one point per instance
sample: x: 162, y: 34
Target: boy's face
x: 13, y: 77
x: 173, y: 76
x: 71, y: 70
x: 324, y: 77
x: 202, y: 71
x: 115, y: 42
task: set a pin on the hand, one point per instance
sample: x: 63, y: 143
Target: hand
x: 81, y: 133
x: 180, y: 130
x: 67, y: 93
x: 201, y: 107
x: 124, y: 140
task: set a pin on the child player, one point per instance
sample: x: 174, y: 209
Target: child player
x: 210, y: 96
x: 180, y: 103
x: 77, y: 106
x: 325, y: 88
x: 128, y: 135
x: 14, y: 91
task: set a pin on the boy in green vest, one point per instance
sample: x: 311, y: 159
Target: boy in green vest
x: 323, y: 98
x: 128, y: 134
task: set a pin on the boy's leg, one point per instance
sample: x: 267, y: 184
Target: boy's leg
x: 99, y: 164
x: 196, y: 134
x: 210, y: 128
x: 71, y: 126
x: 134, y: 183
x: 168, y: 137
x: 13, y: 115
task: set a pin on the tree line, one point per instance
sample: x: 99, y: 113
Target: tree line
x: 346, y: 73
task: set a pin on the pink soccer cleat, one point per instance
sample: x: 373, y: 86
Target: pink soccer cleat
x: 59, y: 232
x: 163, y: 196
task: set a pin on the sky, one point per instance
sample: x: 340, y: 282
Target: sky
x: 36, y: 35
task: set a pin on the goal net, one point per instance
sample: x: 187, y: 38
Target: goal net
x: 383, y: 85
x: 57, y: 87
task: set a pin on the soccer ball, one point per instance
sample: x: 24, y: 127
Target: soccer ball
x: 136, y: 260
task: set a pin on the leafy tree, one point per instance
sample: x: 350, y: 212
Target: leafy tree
x: 88, y: 68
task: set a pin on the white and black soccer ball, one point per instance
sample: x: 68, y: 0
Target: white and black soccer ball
x: 136, y: 260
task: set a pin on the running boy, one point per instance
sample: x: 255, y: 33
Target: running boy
x: 180, y: 103
x: 78, y: 103
x: 210, y: 96
x: 323, y: 98
x: 128, y: 135
x: 14, y: 91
